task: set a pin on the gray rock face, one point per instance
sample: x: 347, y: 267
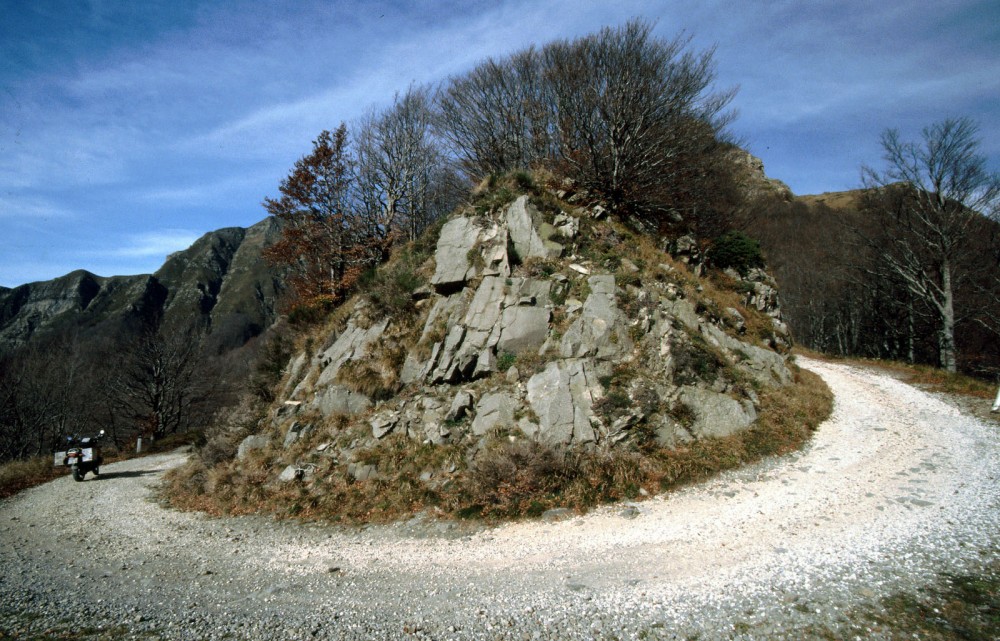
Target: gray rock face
x: 598, y: 331
x: 251, y: 443
x: 480, y: 313
x: 524, y: 328
x: 716, y: 415
x: 561, y: 396
x: 524, y: 233
x: 296, y: 369
x: 296, y: 431
x: 353, y: 343
x: 458, y: 238
x: 504, y: 314
x: 766, y: 367
x: 337, y: 399
x: 493, y: 411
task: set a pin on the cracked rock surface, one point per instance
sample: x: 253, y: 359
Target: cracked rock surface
x: 895, y: 488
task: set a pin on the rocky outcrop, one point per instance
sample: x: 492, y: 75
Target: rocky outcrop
x: 458, y: 237
x: 566, y: 352
x: 750, y: 175
x: 562, y: 397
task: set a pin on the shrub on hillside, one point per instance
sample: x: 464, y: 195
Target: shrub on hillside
x: 736, y: 250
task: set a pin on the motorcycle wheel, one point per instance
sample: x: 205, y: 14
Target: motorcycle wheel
x: 78, y: 474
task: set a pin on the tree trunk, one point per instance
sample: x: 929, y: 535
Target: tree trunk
x: 911, y: 333
x: 946, y: 339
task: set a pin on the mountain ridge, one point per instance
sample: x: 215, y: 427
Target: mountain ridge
x: 219, y: 283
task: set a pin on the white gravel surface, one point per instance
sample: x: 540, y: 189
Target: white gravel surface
x: 895, y: 488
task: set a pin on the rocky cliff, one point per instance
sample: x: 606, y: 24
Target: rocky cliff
x: 220, y: 285
x: 541, y: 320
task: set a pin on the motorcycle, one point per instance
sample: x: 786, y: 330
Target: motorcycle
x: 82, y: 455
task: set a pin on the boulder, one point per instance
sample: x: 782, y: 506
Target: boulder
x: 528, y: 243
x: 600, y: 330
x: 434, y: 429
x: 362, y: 472
x: 461, y: 405
x: 716, y: 415
x: 383, y: 424
x: 251, y: 443
x: 494, y: 410
x: 295, y: 473
x: 458, y: 238
x: 561, y: 396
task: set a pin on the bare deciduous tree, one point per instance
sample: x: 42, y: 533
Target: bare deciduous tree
x: 929, y: 200
x: 498, y: 117
x: 159, y: 386
x: 44, y: 393
x: 396, y: 161
x: 630, y: 117
x: 629, y: 104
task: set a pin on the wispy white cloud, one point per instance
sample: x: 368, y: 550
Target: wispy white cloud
x: 206, y: 192
x: 33, y: 209
x: 158, y: 243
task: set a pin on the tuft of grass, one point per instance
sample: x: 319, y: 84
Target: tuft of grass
x: 505, y: 361
x: 368, y: 378
x: 511, y: 479
x: 695, y: 360
x: 389, y: 290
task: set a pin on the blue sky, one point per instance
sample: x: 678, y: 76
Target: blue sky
x: 128, y: 129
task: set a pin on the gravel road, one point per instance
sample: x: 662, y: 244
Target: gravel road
x: 895, y: 488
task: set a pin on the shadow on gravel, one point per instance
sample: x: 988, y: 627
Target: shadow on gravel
x: 123, y: 475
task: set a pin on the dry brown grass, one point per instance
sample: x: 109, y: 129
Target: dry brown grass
x: 509, y: 479
x: 523, y: 478
x: 16, y: 476
x: 939, y: 380
x: 249, y: 486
